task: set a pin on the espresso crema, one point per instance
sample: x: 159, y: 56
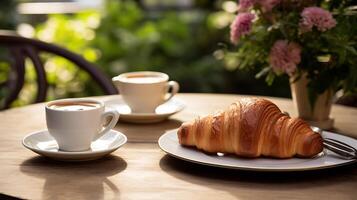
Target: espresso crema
x: 142, y: 79
x: 74, y: 106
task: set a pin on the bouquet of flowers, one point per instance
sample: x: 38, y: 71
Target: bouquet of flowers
x: 314, y: 38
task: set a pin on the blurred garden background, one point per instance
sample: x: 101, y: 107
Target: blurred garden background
x: 188, y: 39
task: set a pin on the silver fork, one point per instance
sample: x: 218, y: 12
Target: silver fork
x: 342, y: 149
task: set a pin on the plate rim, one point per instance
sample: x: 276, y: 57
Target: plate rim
x: 69, y: 153
x: 260, y: 169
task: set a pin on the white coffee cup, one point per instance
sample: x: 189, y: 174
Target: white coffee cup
x: 144, y: 91
x: 76, y: 123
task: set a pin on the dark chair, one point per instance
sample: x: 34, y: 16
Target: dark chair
x: 21, y: 48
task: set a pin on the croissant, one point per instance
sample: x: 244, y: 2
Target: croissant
x: 252, y: 127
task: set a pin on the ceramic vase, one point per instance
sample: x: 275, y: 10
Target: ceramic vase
x: 317, y: 114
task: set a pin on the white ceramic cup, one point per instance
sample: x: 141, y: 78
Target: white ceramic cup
x: 76, y: 130
x: 144, y: 91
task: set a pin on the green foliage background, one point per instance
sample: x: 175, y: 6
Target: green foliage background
x: 124, y: 36
x: 8, y: 20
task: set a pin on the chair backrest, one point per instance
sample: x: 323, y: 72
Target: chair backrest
x: 21, y: 48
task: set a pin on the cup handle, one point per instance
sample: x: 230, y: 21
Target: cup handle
x: 174, y: 89
x: 115, y: 116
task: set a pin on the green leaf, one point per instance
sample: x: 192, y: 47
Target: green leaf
x: 263, y: 72
x: 270, y: 78
x: 351, y: 49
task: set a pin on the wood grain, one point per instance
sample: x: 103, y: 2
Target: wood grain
x: 140, y: 170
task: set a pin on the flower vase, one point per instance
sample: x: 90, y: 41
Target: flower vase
x: 317, y: 114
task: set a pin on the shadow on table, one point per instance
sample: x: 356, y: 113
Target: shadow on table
x: 240, y: 183
x: 67, y: 180
x: 147, y: 133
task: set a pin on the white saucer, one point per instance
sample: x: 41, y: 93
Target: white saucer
x: 44, y: 144
x: 170, y: 144
x: 162, y: 112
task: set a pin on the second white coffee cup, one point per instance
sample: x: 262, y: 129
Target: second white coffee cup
x: 144, y: 91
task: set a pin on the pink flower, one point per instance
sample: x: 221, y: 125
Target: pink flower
x: 315, y: 16
x: 268, y: 5
x: 241, y: 25
x: 284, y: 56
x: 244, y: 5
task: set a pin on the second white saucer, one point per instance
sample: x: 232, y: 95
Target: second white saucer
x: 162, y: 112
x: 44, y: 144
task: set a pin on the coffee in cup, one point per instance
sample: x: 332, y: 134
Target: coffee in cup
x: 144, y: 91
x: 75, y: 123
x: 74, y: 106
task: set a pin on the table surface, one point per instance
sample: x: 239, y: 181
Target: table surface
x: 140, y: 170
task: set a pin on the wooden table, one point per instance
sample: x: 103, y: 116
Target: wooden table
x: 140, y: 170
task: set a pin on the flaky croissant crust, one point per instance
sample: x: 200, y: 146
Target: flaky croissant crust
x: 252, y: 127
